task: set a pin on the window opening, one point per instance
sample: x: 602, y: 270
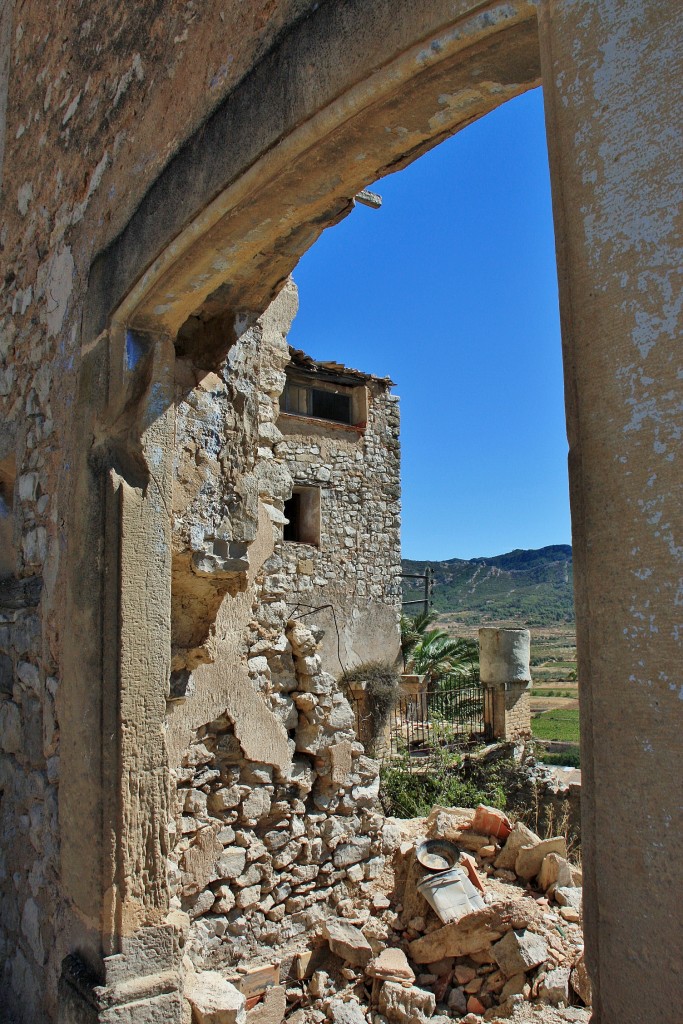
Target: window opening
x: 293, y: 513
x: 303, y: 512
x: 321, y: 403
x: 330, y: 405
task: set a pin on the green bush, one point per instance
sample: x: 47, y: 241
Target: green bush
x: 543, y: 692
x: 448, y: 780
x: 407, y: 793
x: 567, y: 759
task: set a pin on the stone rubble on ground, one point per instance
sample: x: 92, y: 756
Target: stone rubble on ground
x: 390, y: 960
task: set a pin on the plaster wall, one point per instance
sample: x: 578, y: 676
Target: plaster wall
x: 617, y: 203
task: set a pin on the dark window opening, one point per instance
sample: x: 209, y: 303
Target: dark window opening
x: 303, y: 512
x: 330, y: 405
x: 293, y: 513
x: 317, y: 402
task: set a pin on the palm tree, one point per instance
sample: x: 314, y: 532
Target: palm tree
x: 413, y: 629
x: 438, y: 655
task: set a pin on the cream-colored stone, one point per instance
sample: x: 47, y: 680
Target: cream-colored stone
x: 520, y: 836
x: 214, y: 1000
x: 529, y: 858
x: 405, y: 1005
x: 392, y: 965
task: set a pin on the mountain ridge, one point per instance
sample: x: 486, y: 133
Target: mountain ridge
x: 532, y: 586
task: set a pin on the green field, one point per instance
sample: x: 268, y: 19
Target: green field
x: 562, y: 724
x: 545, y: 691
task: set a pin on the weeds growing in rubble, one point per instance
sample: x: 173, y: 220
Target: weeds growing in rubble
x: 406, y: 793
x: 451, y: 780
x: 548, y: 820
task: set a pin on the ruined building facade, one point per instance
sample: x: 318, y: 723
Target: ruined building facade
x: 274, y: 802
x: 342, y: 551
x: 163, y: 169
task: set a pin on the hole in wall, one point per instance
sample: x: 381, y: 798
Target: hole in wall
x: 303, y: 512
x: 8, y: 553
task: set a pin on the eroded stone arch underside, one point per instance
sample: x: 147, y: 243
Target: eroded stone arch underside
x: 349, y: 93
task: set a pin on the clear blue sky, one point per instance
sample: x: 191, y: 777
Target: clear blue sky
x: 451, y: 290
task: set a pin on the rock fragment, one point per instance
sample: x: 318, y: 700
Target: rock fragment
x: 474, y: 933
x: 519, y: 836
x: 348, y: 942
x: 271, y: 1009
x: 341, y: 1012
x: 403, y: 1005
x: 391, y: 965
x: 569, y: 896
x: 530, y: 858
x: 555, y: 870
x: 554, y: 988
x: 519, y: 951
x: 214, y: 1000
x: 580, y: 981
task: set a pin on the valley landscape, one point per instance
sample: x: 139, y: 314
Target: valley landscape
x: 532, y: 589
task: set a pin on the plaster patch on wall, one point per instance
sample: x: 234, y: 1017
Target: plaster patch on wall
x: 136, y: 70
x: 57, y: 289
x: 620, y: 218
x: 93, y: 185
x: 24, y: 197
x: 71, y: 110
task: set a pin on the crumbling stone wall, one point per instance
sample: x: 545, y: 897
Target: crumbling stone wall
x: 275, y: 802
x: 29, y: 778
x: 94, y: 102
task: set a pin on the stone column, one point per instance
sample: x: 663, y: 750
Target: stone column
x: 506, y: 678
x: 612, y: 80
x: 114, y: 861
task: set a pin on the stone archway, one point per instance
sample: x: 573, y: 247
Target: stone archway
x: 344, y: 98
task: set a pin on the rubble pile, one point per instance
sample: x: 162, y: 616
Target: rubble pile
x: 387, y: 958
x: 260, y: 857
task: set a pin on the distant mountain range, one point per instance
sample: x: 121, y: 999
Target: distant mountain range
x: 532, y: 588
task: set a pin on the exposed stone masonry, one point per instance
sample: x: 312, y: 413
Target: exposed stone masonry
x: 262, y: 850
x: 261, y: 855
x: 357, y: 564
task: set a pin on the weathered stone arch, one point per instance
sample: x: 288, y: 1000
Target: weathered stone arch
x: 349, y: 93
